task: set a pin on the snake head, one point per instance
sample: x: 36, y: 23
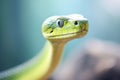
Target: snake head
x: 65, y: 28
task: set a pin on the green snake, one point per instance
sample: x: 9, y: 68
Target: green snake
x: 57, y: 30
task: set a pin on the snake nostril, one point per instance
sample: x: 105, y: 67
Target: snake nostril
x: 51, y: 31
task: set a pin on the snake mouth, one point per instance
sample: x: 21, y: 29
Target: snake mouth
x: 79, y: 33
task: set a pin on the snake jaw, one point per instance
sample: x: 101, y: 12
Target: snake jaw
x: 68, y: 36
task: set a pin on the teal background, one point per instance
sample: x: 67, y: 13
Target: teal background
x: 20, y: 25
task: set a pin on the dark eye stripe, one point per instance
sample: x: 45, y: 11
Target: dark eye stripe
x: 60, y: 23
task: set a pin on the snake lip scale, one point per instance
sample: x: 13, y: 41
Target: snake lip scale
x: 70, y: 33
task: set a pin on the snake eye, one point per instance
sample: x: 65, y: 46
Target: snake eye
x: 75, y: 23
x: 60, y: 23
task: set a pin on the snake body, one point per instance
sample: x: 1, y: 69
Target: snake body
x: 58, y: 30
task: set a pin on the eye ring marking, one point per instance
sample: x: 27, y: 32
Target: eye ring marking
x: 60, y: 23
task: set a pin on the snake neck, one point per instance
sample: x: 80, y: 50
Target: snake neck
x: 40, y: 67
x: 57, y: 49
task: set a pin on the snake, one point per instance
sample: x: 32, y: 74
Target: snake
x: 57, y: 31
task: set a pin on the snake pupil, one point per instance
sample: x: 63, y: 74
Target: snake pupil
x: 60, y: 23
x: 75, y: 23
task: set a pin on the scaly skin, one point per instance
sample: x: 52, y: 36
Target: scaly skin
x: 58, y: 30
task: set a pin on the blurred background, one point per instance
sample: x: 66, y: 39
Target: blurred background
x: 21, y: 20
